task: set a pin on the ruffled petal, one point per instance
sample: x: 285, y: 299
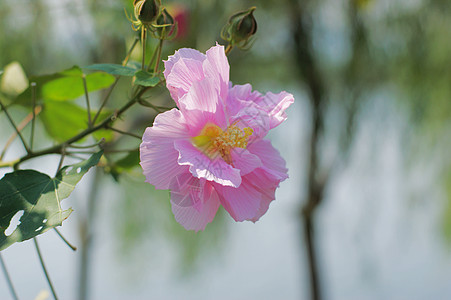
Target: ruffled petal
x: 194, y: 201
x: 157, y: 153
x: 217, y: 67
x: 275, y: 105
x: 251, y: 199
x: 245, y: 161
x: 201, y: 105
x: 251, y: 115
x: 201, y: 166
x: 274, y: 164
x: 181, y: 70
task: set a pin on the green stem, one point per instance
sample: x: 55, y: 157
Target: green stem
x: 44, y: 268
x: 88, y: 106
x: 57, y: 149
x: 33, y: 99
x: 160, y: 47
x: 143, y: 42
x: 8, y: 279
x: 15, y: 127
x: 228, y: 49
x: 107, y: 97
x: 65, y: 241
x: 125, y: 132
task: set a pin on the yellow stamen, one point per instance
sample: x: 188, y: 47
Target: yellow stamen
x: 213, y: 140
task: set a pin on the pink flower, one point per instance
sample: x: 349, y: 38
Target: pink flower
x: 211, y: 151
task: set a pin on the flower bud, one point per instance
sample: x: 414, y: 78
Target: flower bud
x: 166, y: 26
x: 240, y: 28
x: 147, y: 11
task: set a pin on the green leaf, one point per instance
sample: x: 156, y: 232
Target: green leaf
x: 146, y: 79
x: 63, y: 120
x: 70, y: 86
x: 36, y: 198
x: 129, y: 161
x: 113, y: 69
x: 64, y: 85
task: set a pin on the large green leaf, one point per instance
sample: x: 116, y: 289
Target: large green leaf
x: 70, y: 85
x: 36, y: 198
x: 113, y: 69
x: 64, y: 85
x: 63, y: 120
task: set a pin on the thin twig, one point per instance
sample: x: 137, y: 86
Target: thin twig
x: 127, y: 57
x: 44, y: 268
x: 60, y: 164
x: 101, y: 141
x: 125, y: 132
x: 158, y: 109
x: 143, y: 42
x: 228, y: 49
x: 107, y: 97
x: 152, y: 60
x: 15, y: 127
x: 8, y: 279
x: 88, y: 106
x: 160, y: 47
x: 21, y: 126
x: 65, y: 240
x: 33, y: 99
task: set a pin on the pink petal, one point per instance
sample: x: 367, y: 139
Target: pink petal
x: 261, y: 178
x: 201, y: 166
x: 201, y: 105
x: 274, y: 164
x: 183, y: 53
x: 243, y: 92
x: 181, y: 70
x: 245, y: 161
x: 194, y: 202
x: 251, y: 115
x: 275, y: 105
x: 157, y: 153
x: 216, y: 66
x: 251, y: 199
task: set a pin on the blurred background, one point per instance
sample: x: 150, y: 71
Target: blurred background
x: 366, y: 212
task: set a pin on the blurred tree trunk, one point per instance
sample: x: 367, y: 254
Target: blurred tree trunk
x: 308, y: 70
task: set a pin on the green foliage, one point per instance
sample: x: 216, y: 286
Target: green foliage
x: 39, y: 197
x: 141, y: 77
x: 70, y: 84
x: 63, y: 120
x: 115, y: 168
x: 113, y: 69
x: 64, y: 85
x: 146, y: 79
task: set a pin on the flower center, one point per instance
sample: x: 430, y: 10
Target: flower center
x: 213, y: 140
